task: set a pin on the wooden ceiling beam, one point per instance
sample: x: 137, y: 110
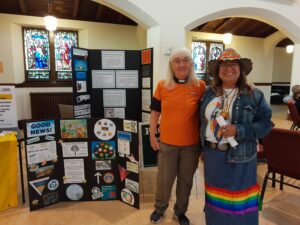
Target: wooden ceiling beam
x: 22, y: 6
x: 120, y: 17
x: 267, y: 28
x: 250, y: 30
x: 75, y: 8
x: 223, y: 24
x: 239, y: 26
x: 99, y: 12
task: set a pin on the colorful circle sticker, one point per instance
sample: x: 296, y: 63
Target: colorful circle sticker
x: 53, y: 185
x: 105, y: 129
x: 108, y: 178
x: 74, y: 192
x: 127, y: 196
x: 104, y: 150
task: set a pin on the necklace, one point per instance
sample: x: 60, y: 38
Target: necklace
x: 227, y: 100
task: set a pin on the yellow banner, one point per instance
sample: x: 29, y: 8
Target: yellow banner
x: 8, y: 172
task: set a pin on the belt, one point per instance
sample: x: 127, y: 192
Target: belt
x: 217, y: 146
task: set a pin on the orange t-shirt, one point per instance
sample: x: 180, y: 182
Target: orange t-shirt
x: 179, y: 122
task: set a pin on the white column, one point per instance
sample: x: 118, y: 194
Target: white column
x: 295, y: 77
x: 164, y: 39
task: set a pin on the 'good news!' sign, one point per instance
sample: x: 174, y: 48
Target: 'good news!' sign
x: 40, y: 128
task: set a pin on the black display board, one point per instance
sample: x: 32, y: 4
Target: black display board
x: 82, y: 160
x: 118, y: 83
x: 81, y: 83
x: 148, y: 155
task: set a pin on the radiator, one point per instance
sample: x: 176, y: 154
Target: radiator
x: 44, y: 105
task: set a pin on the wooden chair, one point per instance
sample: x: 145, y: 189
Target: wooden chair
x: 294, y: 115
x: 282, y: 150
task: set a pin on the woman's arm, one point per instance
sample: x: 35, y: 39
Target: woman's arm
x: 154, y: 117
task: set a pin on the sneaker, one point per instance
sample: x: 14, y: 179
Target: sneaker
x: 156, y: 217
x: 182, y: 219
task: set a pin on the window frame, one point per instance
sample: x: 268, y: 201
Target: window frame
x: 53, y: 81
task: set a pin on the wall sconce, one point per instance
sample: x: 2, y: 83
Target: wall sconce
x: 227, y: 38
x: 50, y: 21
x: 290, y: 49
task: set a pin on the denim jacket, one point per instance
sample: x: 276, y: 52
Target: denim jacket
x: 252, y: 116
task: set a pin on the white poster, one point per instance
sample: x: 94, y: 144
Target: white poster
x: 8, y: 107
x: 146, y: 99
x: 74, y: 171
x: 114, y: 98
x: 145, y: 117
x: 103, y: 79
x: 80, y: 52
x: 41, y: 152
x: 113, y: 59
x: 74, y: 149
x: 123, y: 147
x: 127, y: 79
x: 146, y: 82
x: 114, y: 113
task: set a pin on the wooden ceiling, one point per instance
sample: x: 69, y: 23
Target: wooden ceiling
x: 85, y: 10
x: 241, y: 27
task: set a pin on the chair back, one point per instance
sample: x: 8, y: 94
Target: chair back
x: 282, y: 150
x: 294, y: 113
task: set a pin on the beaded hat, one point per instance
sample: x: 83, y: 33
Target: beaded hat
x: 230, y: 54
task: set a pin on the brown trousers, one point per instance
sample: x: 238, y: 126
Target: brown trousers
x: 175, y: 161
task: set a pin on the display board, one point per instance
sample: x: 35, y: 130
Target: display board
x: 148, y: 155
x: 81, y: 83
x: 117, y: 84
x: 92, y: 159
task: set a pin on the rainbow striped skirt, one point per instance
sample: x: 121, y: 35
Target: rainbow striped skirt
x: 231, y: 190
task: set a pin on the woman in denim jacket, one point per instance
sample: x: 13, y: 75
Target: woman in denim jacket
x: 231, y: 189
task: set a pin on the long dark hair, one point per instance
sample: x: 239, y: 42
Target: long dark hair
x: 241, y: 83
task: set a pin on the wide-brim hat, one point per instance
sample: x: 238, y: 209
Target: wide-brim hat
x: 229, y: 54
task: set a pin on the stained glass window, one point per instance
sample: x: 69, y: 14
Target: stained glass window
x: 37, y: 62
x: 202, y: 52
x: 215, y: 50
x: 199, y: 57
x: 63, y: 43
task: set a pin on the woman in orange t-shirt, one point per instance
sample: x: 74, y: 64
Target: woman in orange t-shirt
x: 176, y: 102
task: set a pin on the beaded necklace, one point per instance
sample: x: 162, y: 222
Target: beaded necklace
x: 227, y: 100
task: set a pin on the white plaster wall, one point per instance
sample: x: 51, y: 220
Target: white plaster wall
x: 282, y: 66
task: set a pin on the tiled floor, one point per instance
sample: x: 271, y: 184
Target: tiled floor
x: 280, y: 207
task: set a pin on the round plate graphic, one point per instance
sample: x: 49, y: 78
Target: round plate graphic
x: 74, y: 192
x: 108, y: 178
x: 105, y: 129
x: 127, y: 196
x: 53, y: 185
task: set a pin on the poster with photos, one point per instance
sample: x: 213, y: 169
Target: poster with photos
x: 42, y: 162
x: 84, y: 170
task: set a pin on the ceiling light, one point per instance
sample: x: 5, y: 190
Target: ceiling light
x: 50, y: 23
x: 227, y: 38
x: 289, y: 48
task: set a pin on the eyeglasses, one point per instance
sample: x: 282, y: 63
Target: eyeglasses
x: 227, y: 65
x: 179, y: 61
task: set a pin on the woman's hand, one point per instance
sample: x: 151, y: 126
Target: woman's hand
x: 229, y: 130
x: 154, y: 143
